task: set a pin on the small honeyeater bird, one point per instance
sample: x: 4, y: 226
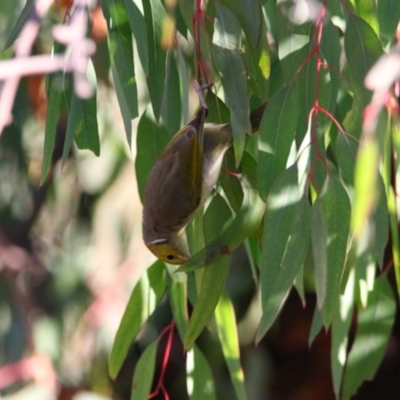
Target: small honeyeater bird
x: 181, y: 181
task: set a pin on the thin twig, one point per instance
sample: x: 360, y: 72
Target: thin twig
x: 75, y: 59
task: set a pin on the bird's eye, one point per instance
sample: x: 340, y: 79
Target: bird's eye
x: 170, y: 257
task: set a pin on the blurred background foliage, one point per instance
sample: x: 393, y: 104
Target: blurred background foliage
x: 71, y: 251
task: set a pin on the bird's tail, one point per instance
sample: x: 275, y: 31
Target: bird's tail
x: 256, y: 117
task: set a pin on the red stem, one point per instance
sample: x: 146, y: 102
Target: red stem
x: 160, y: 384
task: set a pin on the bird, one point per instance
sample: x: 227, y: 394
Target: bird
x: 182, y: 179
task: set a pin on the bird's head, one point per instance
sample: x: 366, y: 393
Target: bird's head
x: 172, y: 250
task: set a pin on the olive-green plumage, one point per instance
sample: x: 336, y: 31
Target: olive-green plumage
x: 181, y: 181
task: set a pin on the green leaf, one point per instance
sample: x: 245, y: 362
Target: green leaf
x: 123, y: 105
x: 199, y: 377
x: 375, y: 324
x: 227, y: 29
x: 346, y: 153
x: 218, y: 112
x: 213, y: 279
x: 138, y: 28
x: 340, y: 328
x: 172, y: 108
x: 136, y: 313
x: 121, y: 51
x: 54, y: 94
x: 388, y: 17
x: 282, y: 203
x: 366, y: 174
x: 234, y: 82
x: 82, y: 124
x: 367, y: 10
x: 155, y: 15
x: 362, y: 47
x: 319, y: 235
x: 144, y: 373
x: 381, y: 223
x: 278, y: 274
x: 337, y: 213
x: 246, y: 221
x: 226, y: 41
x: 228, y: 337
x: 177, y: 294
x: 150, y: 141
x: 22, y: 19
x: 277, y: 131
x: 316, y: 326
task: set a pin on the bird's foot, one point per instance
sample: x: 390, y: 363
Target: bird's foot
x: 199, y: 90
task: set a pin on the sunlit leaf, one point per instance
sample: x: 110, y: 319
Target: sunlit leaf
x: 282, y: 203
x: 375, y: 324
x: 367, y: 10
x: 340, y: 330
x: 366, y: 173
x: 199, y: 377
x: 337, y: 212
x: 228, y: 337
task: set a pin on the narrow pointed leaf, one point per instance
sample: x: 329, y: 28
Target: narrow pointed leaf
x: 340, y: 330
x: 228, y: 337
x: 277, y: 277
x: 388, y: 18
x: 199, y: 376
x: 246, y: 221
x: 277, y: 131
x: 121, y: 51
x: 172, y: 106
x: 140, y: 306
x: 54, y: 94
x: 150, y: 141
x: 337, y: 212
x: 366, y: 173
x: 155, y: 15
x: 362, y: 47
x: 319, y: 235
x: 82, y: 121
x: 213, y: 279
x: 23, y: 17
x: 381, y: 221
x: 226, y: 41
x: 144, y: 373
x: 316, y: 326
x: 138, y: 28
x: 375, y: 324
x: 177, y: 294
